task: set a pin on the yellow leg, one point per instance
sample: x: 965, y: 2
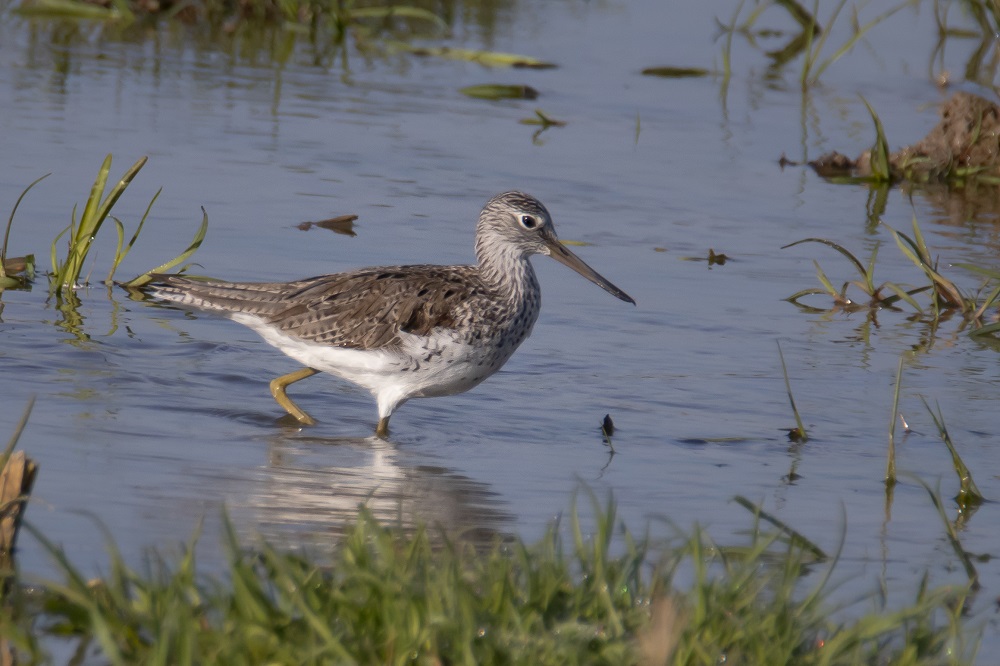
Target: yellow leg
x: 382, y: 429
x: 278, y: 387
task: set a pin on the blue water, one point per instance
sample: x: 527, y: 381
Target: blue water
x: 151, y: 419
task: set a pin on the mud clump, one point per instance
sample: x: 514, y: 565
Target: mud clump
x: 964, y: 144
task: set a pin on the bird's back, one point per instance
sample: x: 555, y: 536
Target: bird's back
x: 364, y: 309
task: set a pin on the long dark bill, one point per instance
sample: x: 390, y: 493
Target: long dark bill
x: 559, y: 252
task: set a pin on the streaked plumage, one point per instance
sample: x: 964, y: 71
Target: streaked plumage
x: 403, y: 331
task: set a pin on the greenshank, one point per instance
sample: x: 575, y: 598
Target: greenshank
x: 402, y: 331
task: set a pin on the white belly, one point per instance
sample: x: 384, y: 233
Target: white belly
x: 426, y: 366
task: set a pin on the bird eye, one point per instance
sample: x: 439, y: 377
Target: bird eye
x: 528, y: 222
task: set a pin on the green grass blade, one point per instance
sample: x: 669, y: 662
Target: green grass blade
x: 870, y: 271
x: 890, y: 467
x: 120, y: 254
x: 968, y: 493
x: 95, y: 212
x: 825, y: 281
x: 903, y: 295
x: 917, y: 253
x: 880, y: 150
x: 16, y: 435
x: 793, y: 534
x: 55, y: 241
x: 165, y: 267
x: 839, y: 248
x: 956, y: 544
x: 88, y: 220
x: 991, y: 273
x: 858, y: 34
x: 10, y: 222
x: 987, y: 303
x: 803, y: 436
x: 120, y: 229
x: 119, y: 188
x: 989, y: 329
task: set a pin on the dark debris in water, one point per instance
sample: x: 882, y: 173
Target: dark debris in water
x: 607, y: 426
x: 342, y: 224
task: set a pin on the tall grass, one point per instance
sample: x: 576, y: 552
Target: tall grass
x: 389, y: 596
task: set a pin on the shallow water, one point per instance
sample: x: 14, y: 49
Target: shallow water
x: 151, y: 418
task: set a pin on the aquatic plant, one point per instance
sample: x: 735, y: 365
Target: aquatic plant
x: 875, y: 293
x: 16, y: 271
x: 81, y: 233
x: 797, y: 434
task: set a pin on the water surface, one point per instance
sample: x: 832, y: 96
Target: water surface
x: 151, y: 418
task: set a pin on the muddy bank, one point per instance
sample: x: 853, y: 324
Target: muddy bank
x: 965, y: 144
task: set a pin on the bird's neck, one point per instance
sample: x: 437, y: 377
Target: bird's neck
x: 506, y: 269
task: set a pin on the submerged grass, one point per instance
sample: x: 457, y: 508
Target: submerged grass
x: 391, y: 596
x: 945, y: 297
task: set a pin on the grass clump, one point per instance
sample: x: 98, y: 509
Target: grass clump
x: 389, y: 596
x: 945, y: 297
x: 81, y: 234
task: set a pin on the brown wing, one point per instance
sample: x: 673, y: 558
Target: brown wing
x: 363, y: 309
x: 368, y: 309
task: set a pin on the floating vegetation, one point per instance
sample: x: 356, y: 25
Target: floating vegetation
x: 676, y: 72
x: 487, y: 58
x: 542, y: 119
x: 498, y: 91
